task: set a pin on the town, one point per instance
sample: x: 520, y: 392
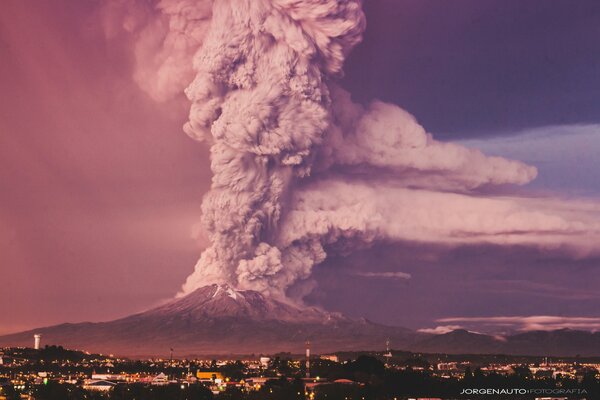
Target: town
x: 52, y: 372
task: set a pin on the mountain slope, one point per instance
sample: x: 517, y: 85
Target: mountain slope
x: 564, y: 342
x: 459, y: 341
x: 561, y: 342
x: 217, y: 319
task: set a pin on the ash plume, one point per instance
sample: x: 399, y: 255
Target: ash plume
x: 261, y: 95
x: 300, y: 170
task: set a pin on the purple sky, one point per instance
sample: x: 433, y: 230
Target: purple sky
x: 100, y: 189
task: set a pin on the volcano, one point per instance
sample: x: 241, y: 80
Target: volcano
x: 220, y: 320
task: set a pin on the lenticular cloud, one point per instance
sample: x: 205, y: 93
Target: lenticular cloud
x: 299, y: 170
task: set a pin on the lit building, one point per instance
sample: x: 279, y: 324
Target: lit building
x: 37, y: 338
x: 98, y: 385
x: 212, y: 376
x: 330, y: 357
x: 264, y: 362
x: 160, y: 380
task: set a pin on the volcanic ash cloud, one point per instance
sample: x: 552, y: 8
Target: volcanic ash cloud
x: 300, y: 170
x: 261, y: 96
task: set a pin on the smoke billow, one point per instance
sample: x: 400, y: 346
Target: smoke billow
x: 300, y: 170
x: 261, y: 95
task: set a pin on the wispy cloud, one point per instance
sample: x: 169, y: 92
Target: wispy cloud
x: 391, y: 275
x: 531, y: 323
x: 440, y: 330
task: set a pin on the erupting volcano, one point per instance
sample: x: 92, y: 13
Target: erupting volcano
x: 301, y: 171
x: 217, y: 319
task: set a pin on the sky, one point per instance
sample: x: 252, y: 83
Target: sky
x: 100, y: 189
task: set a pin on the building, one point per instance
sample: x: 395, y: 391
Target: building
x: 264, y: 362
x: 160, y: 380
x: 449, y: 366
x: 330, y: 357
x: 551, y: 398
x: 109, y: 377
x: 37, y: 338
x: 98, y: 385
x: 213, y: 376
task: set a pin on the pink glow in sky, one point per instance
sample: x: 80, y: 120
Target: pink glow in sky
x: 100, y: 188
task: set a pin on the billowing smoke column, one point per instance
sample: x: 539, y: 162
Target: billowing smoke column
x: 300, y: 170
x: 261, y: 93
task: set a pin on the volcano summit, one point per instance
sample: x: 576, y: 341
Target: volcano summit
x: 217, y: 319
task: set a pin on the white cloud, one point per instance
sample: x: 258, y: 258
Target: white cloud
x: 566, y: 155
x: 531, y: 323
x: 440, y: 330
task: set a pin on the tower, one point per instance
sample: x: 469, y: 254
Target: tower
x: 36, y: 341
x: 307, y: 359
x: 388, y: 352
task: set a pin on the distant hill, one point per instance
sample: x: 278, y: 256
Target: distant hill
x: 562, y: 342
x: 459, y: 341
